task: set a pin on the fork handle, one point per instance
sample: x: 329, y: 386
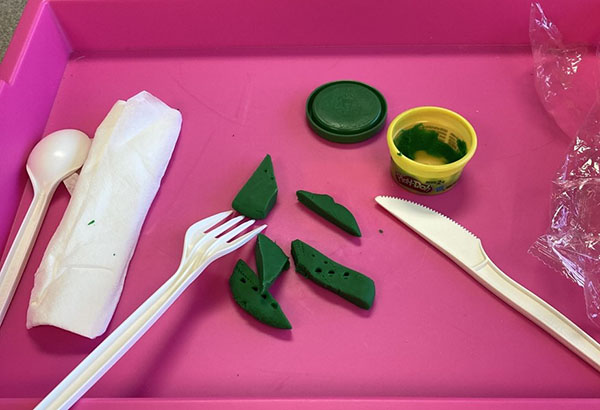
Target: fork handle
x: 538, y: 311
x: 107, y: 353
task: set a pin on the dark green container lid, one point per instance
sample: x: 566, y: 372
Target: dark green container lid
x: 346, y: 111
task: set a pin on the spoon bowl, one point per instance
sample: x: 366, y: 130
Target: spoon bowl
x: 56, y: 157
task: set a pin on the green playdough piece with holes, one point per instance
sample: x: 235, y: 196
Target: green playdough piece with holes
x: 270, y: 261
x: 349, y: 284
x: 258, y: 195
x: 244, y: 286
x: 325, y: 206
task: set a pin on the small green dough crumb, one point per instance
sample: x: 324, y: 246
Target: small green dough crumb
x: 270, y: 261
x: 245, y: 290
x: 257, y: 197
x: 349, y: 284
x: 418, y: 138
x: 325, y: 206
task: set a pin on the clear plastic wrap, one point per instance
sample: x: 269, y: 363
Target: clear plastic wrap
x: 566, y: 81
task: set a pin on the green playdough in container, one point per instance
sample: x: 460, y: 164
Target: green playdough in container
x: 423, y: 145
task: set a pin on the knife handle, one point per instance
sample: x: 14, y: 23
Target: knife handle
x: 538, y: 311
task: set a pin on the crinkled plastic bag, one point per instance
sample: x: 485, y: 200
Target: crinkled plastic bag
x: 566, y: 81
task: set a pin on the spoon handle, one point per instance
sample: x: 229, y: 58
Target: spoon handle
x: 17, y: 257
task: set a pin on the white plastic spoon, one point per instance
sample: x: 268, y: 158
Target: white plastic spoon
x: 53, y: 159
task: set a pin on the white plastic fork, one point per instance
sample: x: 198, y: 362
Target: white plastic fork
x: 201, y: 247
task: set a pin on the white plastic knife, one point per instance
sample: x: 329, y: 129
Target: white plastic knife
x: 466, y: 250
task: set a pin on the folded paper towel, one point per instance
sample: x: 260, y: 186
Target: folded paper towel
x: 80, y: 278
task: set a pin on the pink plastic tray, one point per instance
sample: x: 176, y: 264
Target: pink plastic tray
x: 240, y: 73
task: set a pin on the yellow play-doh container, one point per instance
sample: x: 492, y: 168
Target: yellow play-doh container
x: 426, y: 178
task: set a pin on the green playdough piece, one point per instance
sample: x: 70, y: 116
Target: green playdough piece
x: 245, y: 289
x: 418, y: 138
x: 325, y: 206
x: 270, y: 261
x: 349, y: 284
x: 258, y: 195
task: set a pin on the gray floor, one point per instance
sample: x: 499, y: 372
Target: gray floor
x: 10, y: 12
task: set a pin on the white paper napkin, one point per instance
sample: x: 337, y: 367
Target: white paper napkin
x: 79, y: 281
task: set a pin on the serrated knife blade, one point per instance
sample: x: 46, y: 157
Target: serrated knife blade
x: 466, y: 250
x: 442, y: 232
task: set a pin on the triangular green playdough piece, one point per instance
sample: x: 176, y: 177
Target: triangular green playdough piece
x: 325, y: 206
x: 270, y: 261
x: 258, y: 195
x: 244, y: 286
x: 349, y: 284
